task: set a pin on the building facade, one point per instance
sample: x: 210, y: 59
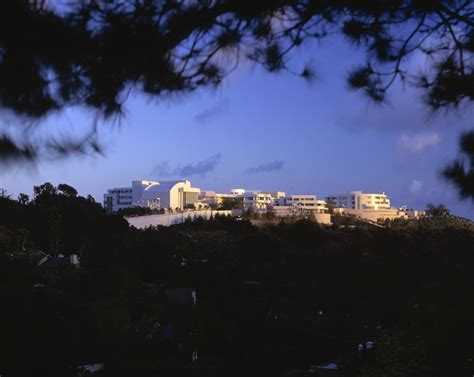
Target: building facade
x: 360, y: 200
x: 213, y: 198
x: 250, y: 198
x: 257, y: 200
x: 175, y: 195
x: 118, y: 198
x: 306, y: 202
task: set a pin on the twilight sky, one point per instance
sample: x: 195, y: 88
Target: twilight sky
x: 271, y: 132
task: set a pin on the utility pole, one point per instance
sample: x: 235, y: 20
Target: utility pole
x: 3, y: 193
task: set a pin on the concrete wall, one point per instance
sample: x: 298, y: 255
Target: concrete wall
x: 322, y: 218
x: 372, y: 214
x: 142, y: 222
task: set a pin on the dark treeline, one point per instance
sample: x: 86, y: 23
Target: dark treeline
x: 271, y: 300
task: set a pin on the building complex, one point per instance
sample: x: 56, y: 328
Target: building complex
x: 177, y: 195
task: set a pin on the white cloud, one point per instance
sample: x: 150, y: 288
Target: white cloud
x: 415, y: 186
x: 199, y: 168
x: 419, y: 142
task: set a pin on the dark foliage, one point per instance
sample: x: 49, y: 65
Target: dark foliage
x: 95, y: 53
x: 138, y: 211
x: 270, y: 300
x: 461, y: 171
x: 437, y: 211
x: 229, y: 203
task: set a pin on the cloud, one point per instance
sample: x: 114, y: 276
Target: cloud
x: 203, y: 167
x: 415, y: 186
x: 415, y: 143
x: 212, y: 112
x: 268, y: 167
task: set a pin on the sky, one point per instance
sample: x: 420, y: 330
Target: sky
x: 272, y: 132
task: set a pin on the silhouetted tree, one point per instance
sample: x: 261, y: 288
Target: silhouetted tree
x: 96, y: 52
x: 4, y: 193
x: 46, y: 189
x: 23, y: 198
x: 437, y: 211
x: 330, y: 206
x: 231, y: 203
x: 67, y: 190
x: 136, y: 211
x: 461, y: 171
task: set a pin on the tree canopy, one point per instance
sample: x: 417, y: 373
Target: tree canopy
x: 439, y: 210
x: 461, y: 171
x: 94, y: 53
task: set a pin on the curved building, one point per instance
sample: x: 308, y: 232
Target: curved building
x: 152, y: 194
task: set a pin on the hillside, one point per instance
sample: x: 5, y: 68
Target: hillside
x: 269, y: 299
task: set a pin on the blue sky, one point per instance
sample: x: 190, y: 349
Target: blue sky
x: 271, y: 132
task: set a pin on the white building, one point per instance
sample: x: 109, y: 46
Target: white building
x: 321, y: 206
x: 360, y: 200
x: 118, y: 198
x: 212, y: 197
x: 309, y: 202
x: 208, y: 197
x: 277, y: 196
x: 162, y: 194
x: 250, y: 198
x: 257, y: 200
